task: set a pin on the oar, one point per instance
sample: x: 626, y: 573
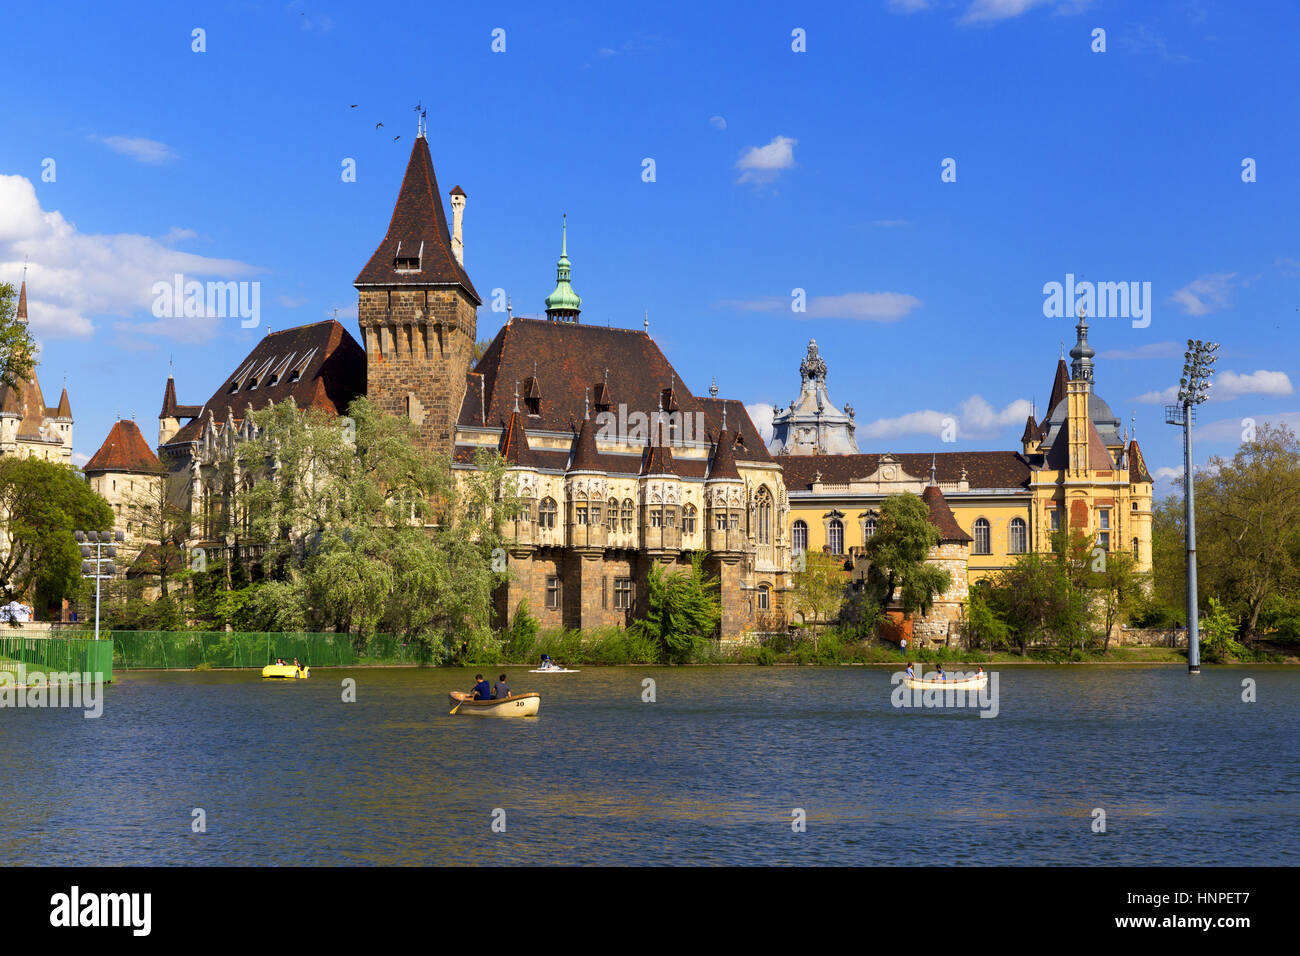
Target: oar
x: 457, y: 707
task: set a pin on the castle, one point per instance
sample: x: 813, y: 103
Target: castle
x: 620, y: 466
x: 28, y: 427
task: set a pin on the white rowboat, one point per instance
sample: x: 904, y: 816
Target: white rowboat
x: 520, y: 705
x: 967, y: 683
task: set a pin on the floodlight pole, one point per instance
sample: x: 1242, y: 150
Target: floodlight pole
x: 95, y: 567
x: 1189, y: 505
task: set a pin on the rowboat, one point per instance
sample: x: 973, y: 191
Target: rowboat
x: 553, y: 670
x: 520, y: 705
x: 285, y: 671
x: 966, y: 683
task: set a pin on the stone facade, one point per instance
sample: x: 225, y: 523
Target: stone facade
x: 28, y: 427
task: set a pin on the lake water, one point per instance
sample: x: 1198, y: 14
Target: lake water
x: 287, y: 773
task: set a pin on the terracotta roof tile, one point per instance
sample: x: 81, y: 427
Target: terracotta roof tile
x: 984, y: 469
x: 941, y: 516
x: 125, y: 449
x: 1137, y: 465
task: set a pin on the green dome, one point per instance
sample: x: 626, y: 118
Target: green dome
x: 563, y: 300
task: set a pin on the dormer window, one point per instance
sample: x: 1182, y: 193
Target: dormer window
x: 295, y: 375
x: 532, y: 396
x: 252, y: 384
x: 407, y: 257
x: 234, y: 387
x: 272, y: 380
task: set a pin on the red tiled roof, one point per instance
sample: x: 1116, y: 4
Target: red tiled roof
x: 318, y: 366
x: 419, y: 229
x: 173, y: 409
x: 1058, y: 393
x: 586, y: 457
x: 658, y: 458
x: 724, y: 457
x: 514, y: 442
x: 1137, y: 465
x: 124, y: 450
x: 65, y: 407
x: 984, y: 469
x: 941, y: 516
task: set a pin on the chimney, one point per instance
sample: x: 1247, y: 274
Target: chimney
x: 457, y: 214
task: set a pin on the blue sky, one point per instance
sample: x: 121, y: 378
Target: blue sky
x: 774, y: 170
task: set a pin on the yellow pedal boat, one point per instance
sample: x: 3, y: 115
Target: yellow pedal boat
x: 285, y: 671
x: 520, y: 705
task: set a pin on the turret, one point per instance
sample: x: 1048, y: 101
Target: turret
x: 563, y: 304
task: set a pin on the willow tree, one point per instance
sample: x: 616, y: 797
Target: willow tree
x: 363, y: 530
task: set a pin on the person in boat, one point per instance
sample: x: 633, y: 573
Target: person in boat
x: 296, y: 664
x: 938, y: 672
x: 502, y: 689
x: 979, y: 671
x: 911, y: 674
x: 482, y: 689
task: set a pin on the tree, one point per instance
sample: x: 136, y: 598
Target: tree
x: 1118, y: 587
x: 17, y: 349
x: 1219, y: 632
x: 984, y: 627
x: 43, y: 504
x: 683, y: 609
x: 164, y: 526
x: 898, y: 554
x: 1035, y: 599
x: 1248, y: 523
x: 818, y: 589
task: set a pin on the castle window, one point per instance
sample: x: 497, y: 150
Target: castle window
x: 546, y: 513
x: 656, y: 517
x: 868, y: 529
x: 581, y: 512
x: 1103, y: 526
x: 983, y: 539
x: 1135, y: 506
x: 1056, y: 519
x: 622, y: 594
x: 534, y: 405
x: 627, y: 515
x: 1018, y: 537
x: 835, y: 536
x: 688, y: 519
x: 670, y: 517
x: 721, y: 521
x: 272, y: 380
x: 799, y: 537
x: 734, y: 523
x: 763, y: 514
x: 553, y: 593
x: 295, y: 375
x: 252, y: 384
x: 1136, y: 549
x: 613, y: 514
x: 595, y: 513
x: 234, y: 387
x: 764, y: 597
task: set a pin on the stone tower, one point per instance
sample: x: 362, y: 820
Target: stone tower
x: 418, y: 309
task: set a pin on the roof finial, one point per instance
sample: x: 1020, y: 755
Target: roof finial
x: 420, y: 127
x: 510, y: 309
x: 606, y: 374
x: 932, y: 467
x: 724, y: 416
x: 713, y: 389
x: 586, y: 401
x: 516, y: 395
x: 647, y: 320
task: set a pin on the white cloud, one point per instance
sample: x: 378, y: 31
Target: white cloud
x: 988, y: 11
x: 1167, y: 474
x: 870, y: 306
x: 908, y: 6
x: 74, y: 276
x: 760, y: 413
x: 290, y: 302
x: 144, y: 150
x: 717, y: 122
x: 975, y: 419
x: 762, y: 164
x: 1204, y: 295
x: 1234, y: 430
x: 1228, y: 384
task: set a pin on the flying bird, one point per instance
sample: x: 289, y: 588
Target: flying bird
x: 353, y: 106
x: 377, y: 125
x: 396, y: 138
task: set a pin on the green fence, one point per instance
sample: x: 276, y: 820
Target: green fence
x: 79, y: 655
x: 182, y: 649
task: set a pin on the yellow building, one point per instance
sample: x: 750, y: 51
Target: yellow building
x: 1074, y: 467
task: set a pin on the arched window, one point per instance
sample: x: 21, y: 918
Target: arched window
x: 763, y: 516
x: 868, y: 528
x: 627, y: 515
x: 1136, y: 549
x: 982, y: 536
x: 835, y: 536
x: 764, y: 597
x: 799, y: 537
x: 546, y: 513
x: 688, y: 519
x: 1018, y: 536
x: 613, y: 514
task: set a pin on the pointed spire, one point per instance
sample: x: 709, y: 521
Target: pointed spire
x: 22, y: 300
x: 65, y: 407
x: 1082, y: 353
x: 586, y: 456
x: 514, y: 446
x: 563, y: 304
x: 713, y: 389
x: 723, y: 465
x: 933, y: 468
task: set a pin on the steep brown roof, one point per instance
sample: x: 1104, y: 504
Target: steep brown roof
x: 514, y: 442
x: 1031, y: 432
x: 585, y: 455
x: 1137, y: 465
x: 658, y: 459
x: 65, y: 407
x: 984, y: 469
x: 1058, y: 456
x: 22, y: 301
x: 173, y: 409
x: 419, y: 229
x: 724, y: 457
x: 563, y: 358
x: 318, y: 366
x: 941, y: 516
x: 1059, y: 382
x: 124, y: 450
